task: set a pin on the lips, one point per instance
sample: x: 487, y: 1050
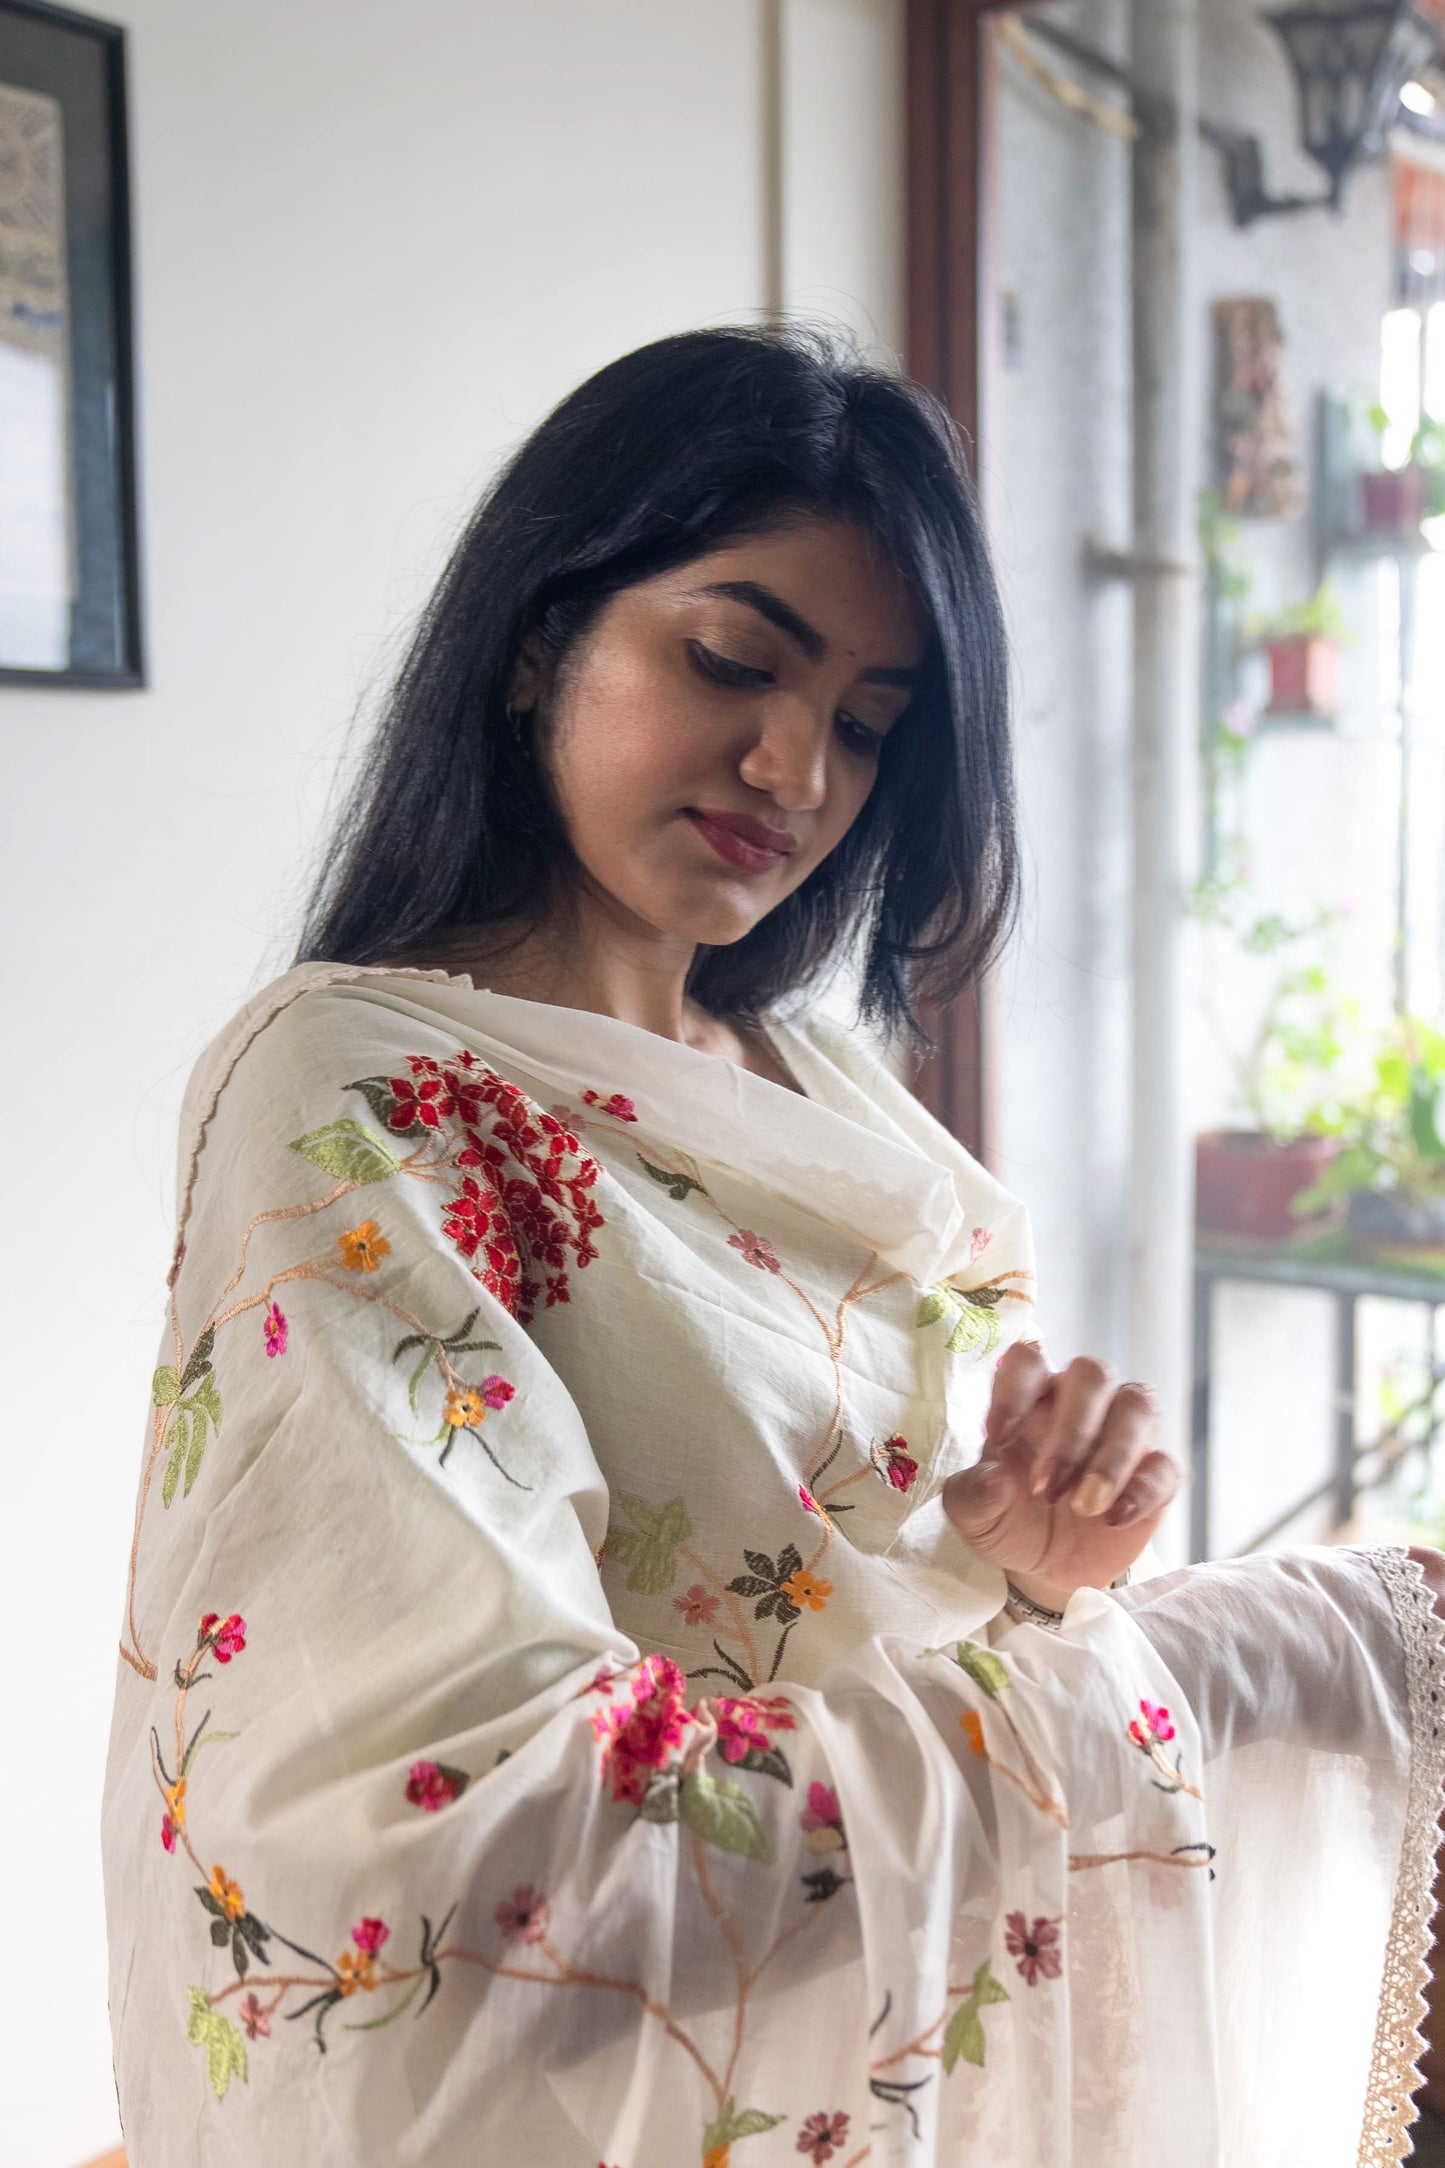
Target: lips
x: 748, y: 844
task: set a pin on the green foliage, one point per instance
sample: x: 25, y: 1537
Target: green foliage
x: 1392, y: 1136
x: 649, y: 1547
x: 988, y: 1672
x: 1287, y: 1068
x: 349, y: 1150
x: 1426, y: 452
x: 225, y: 2049
x: 963, y: 2042
x: 676, y: 1185
x: 975, y: 1326
x: 721, y: 1813
x: 1321, y: 618
x: 734, y: 2123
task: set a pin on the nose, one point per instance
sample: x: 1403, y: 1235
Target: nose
x: 789, y: 757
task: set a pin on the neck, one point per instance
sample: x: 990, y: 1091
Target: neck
x: 587, y: 958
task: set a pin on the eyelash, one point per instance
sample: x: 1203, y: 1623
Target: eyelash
x: 723, y: 671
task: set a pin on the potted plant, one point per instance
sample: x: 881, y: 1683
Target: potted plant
x: 1247, y: 1178
x: 1394, y: 500
x: 1389, y: 1165
x: 1303, y: 646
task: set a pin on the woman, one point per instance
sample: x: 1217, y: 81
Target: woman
x: 629, y: 1657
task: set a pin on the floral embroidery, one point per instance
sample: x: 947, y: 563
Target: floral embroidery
x: 698, y: 1606
x: 1155, y: 1726
x: 978, y: 1243
x: 273, y: 1325
x: 895, y: 1463
x: 229, y: 1901
x: 972, y: 1724
x: 822, y: 2136
x: 357, y: 1968
x: 806, y: 1499
x: 640, y: 1737
x: 822, y: 1820
x: 525, y: 1916
x: 756, y: 1249
x: 433, y: 1785
x: 225, y: 1636
x: 1150, y: 1731
x: 255, y: 2018
x: 801, y: 1588
x: 975, y: 1327
x: 362, y: 1248
x: 173, y: 1821
x: 620, y: 1109
x: 745, y: 1726
x: 1036, y: 1948
x: 369, y: 1935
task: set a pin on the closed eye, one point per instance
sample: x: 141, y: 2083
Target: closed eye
x: 722, y: 670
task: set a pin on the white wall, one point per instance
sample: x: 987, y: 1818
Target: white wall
x: 375, y: 244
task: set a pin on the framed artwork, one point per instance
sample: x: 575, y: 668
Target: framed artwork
x: 1254, y: 461
x: 70, y: 611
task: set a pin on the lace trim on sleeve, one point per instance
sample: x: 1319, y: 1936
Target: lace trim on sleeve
x: 1394, y: 2072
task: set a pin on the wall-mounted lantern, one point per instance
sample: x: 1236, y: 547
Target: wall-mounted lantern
x: 1350, y: 62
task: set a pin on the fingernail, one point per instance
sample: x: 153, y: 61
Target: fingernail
x: 1060, y: 1476
x: 1092, y: 1495
x: 1122, y: 1510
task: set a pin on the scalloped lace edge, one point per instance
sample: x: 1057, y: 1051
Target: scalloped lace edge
x: 1398, y: 2045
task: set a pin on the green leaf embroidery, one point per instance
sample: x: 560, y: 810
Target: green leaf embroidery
x: 207, y: 1395
x: 348, y: 1150
x: 934, y: 1305
x: 676, y: 1185
x: 196, y: 1452
x: 379, y: 1096
x: 734, y: 2123
x: 165, y: 1387
x: 768, y: 1761
x: 964, y: 2040
x: 225, y: 2049
x: 200, y: 1361
x: 987, y: 1671
x: 649, y: 1548
x: 975, y: 1331
x: 205, y: 1740
x: 722, y: 1814
x: 173, y: 1466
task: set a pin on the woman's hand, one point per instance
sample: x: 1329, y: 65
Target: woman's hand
x: 1070, y: 1485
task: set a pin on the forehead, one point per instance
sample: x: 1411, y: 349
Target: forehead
x: 834, y: 573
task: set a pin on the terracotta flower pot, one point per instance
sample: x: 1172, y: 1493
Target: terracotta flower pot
x: 1392, y: 502
x: 1245, y: 1182
x: 1304, y: 675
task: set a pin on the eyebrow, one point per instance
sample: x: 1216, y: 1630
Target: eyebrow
x: 808, y: 638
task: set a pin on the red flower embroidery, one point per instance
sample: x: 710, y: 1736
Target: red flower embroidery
x: 369, y: 1935
x: 432, y: 1785
x: 273, y: 1325
x: 621, y: 1110
x: 1151, y: 1727
x: 640, y: 1737
x: 255, y: 2018
x: 895, y: 1463
x: 822, y: 2136
x: 525, y: 1916
x: 756, y: 1248
x: 433, y: 1095
x: 806, y: 1499
x: 168, y: 1833
x: 227, y: 1636
x: 749, y: 1721
x: 1036, y: 1948
x: 698, y: 1607
x: 822, y: 1820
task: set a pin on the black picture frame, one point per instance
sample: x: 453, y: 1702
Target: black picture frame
x: 70, y: 584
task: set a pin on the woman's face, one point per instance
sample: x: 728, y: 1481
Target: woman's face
x: 718, y: 731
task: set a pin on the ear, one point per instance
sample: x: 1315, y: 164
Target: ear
x: 530, y: 676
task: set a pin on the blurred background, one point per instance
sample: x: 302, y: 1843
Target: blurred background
x: 280, y: 286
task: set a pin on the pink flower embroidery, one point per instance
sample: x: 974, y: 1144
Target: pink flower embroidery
x: 227, y: 1636
x: 1155, y: 1729
x: 168, y: 1833
x: 822, y: 2136
x: 640, y: 1738
x: 273, y: 1325
x: 979, y: 1242
x: 621, y: 1110
x: 806, y: 1499
x: 749, y: 1721
x: 822, y: 1820
x: 525, y: 1916
x: 369, y: 1935
x: 698, y: 1607
x: 895, y: 1463
x: 254, y: 2018
x: 1036, y: 1948
x: 756, y: 1248
x: 497, y: 1392
x: 432, y: 1785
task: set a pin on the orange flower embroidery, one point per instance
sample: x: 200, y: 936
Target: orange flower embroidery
x: 800, y: 1588
x: 354, y: 1969
x: 464, y: 1408
x: 362, y: 1248
x: 227, y: 1894
x: 972, y: 1724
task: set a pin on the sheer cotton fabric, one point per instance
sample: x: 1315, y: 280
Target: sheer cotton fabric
x: 556, y: 1717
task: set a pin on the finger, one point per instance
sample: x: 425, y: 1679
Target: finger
x: 1021, y: 1375
x: 1081, y: 1400
x: 1148, y: 1491
x: 1126, y: 1434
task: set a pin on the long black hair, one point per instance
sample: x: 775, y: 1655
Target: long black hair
x: 687, y: 444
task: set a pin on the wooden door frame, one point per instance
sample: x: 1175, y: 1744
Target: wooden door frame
x: 950, y: 101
